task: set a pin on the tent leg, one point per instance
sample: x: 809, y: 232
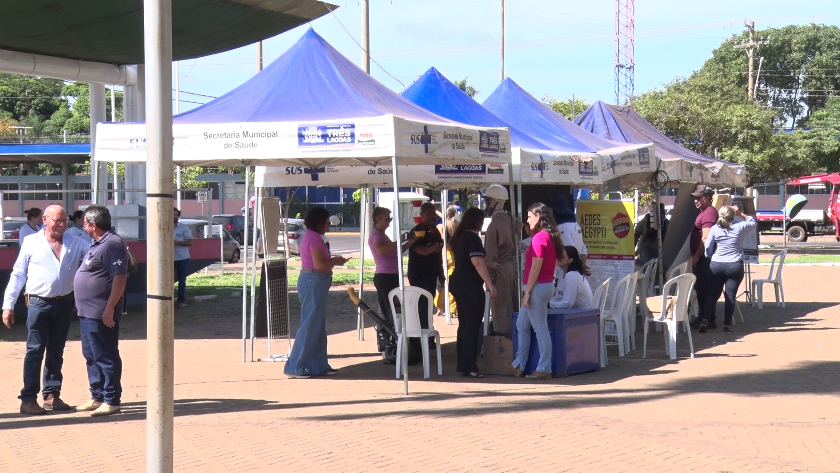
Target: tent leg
x: 363, y: 217
x: 444, y: 196
x: 258, y: 192
x: 404, y: 360
x: 245, y: 270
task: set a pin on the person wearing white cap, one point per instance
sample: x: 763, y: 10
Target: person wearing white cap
x: 500, y: 248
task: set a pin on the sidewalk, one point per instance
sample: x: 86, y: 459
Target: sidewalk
x: 764, y: 399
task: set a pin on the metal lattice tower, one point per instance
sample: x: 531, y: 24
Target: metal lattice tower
x: 625, y: 32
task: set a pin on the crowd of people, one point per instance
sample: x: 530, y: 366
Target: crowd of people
x: 555, y: 273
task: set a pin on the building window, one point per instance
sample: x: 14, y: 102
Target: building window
x: 42, y: 186
x: 9, y: 186
x: 82, y: 195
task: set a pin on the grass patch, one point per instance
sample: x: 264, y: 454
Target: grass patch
x: 199, y: 284
x: 804, y: 258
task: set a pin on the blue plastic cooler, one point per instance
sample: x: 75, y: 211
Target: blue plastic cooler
x: 574, y: 342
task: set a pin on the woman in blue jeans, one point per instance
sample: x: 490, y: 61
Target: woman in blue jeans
x: 725, y: 248
x: 540, y: 261
x: 309, y: 352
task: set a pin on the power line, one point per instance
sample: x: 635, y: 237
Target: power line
x: 359, y: 45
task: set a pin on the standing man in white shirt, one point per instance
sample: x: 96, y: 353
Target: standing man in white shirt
x: 46, y: 266
x: 183, y: 241
x: 33, y: 224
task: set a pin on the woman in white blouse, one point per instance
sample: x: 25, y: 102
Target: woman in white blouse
x: 573, y: 292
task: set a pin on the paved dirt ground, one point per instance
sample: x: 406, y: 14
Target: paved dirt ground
x: 764, y: 398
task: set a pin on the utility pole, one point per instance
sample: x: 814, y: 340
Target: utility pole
x: 366, y: 36
x: 503, y: 39
x: 750, y: 48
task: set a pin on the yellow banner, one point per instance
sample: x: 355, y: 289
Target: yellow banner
x: 607, y: 228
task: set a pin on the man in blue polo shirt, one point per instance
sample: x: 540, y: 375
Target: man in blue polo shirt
x: 99, y: 287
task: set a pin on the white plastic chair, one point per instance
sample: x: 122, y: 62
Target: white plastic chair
x: 411, y: 311
x: 693, y: 306
x: 648, y: 275
x: 674, y: 309
x: 621, y: 304
x: 630, y: 315
x: 774, y: 278
x: 599, y: 301
x: 676, y: 270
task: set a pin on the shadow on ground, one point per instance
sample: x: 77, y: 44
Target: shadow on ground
x: 805, y: 378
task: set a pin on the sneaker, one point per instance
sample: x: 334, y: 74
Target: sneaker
x: 298, y: 376
x: 31, y: 408
x: 712, y: 325
x: 703, y: 326
x: 727, y: 329
x: 105, y: 410
x: 696, y: 323
x: 539, y: 375
x: 331, y: 372
x: 181, y: 305
x: 91, y: 405
x: 54, y: 403
x: 516, y: 371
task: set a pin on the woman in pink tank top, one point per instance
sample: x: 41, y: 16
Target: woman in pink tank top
x: 309, y: 352
x: 540, y: 261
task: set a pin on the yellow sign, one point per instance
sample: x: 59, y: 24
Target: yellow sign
x: 607, y: 228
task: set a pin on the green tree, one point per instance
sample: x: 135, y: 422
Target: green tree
x: 23, y: 96
x: 823, y: 136
x: 799, y: 71
x: 710, y: 113
x: 468, y: 89
x: 570, y: 108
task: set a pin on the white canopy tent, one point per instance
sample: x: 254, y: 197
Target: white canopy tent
x: 311, y: 107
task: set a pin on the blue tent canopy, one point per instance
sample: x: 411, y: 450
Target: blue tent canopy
x: 439, y: 95
x: 519, y: 108
x: 622, y: 123
x: 310, y: 81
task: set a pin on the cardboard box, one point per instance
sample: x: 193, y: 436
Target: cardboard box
x: 498, y: 355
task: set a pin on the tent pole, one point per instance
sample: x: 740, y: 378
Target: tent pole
x: 258, y: 192
x: 519, y: 275
x: 444, y: 196
x: 400, y: 272
x: 245, y: 269
x: 517, y: 232
x: 363, y: 218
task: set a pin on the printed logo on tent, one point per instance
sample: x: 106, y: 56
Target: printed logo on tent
x: 366, y: 139
x: 541, y: 167
x: 340, y: 134
x: 644, y: 157
x: 611, y: 164
x: 472, y: 169
x: 424, y: 139
x: 690, y: 169
x: 313, y: 172
x: 495, y: 169
x: 586, y: 168
x: 716, y: 174
x: 488, y: 142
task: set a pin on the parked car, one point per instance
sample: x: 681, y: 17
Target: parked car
x: 11, y: 232
x: 296, y: 229
x: 199, y: 227
x: 234, y: 224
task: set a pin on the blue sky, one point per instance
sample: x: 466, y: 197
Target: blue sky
x: 553, y: 47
